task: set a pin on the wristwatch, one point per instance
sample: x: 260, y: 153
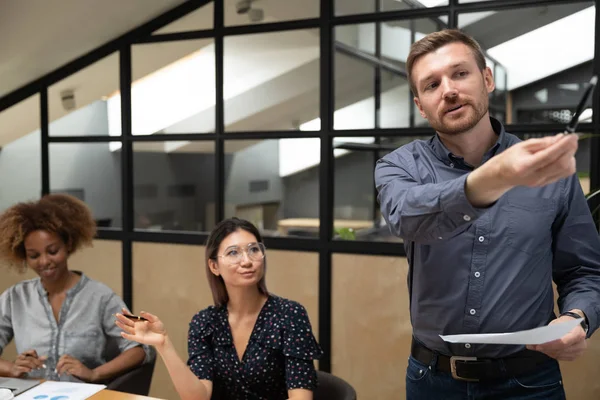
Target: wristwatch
x: 584, y: 323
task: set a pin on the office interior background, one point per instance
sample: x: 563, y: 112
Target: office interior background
x: 166, y: 116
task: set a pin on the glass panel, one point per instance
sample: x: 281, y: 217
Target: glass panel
x: 79, y: 104
x: 272, y: 81
x: 356, y: 209
x: 541, y: 51
x: 500, y: 78
x: 274, y: 184
x: 347, y: 7
x: 200, y: 19
x: 20, y: 150
x: 354, y: 93
x: 554, y: 99
x: 244, y: 12
x: 173, y: 88
x: 174, y: 185
x: 356, y: 63
x: 92, y: 173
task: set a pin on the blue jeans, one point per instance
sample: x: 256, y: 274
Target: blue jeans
x: 425, y: 383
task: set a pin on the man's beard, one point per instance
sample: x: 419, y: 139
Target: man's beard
x: 465, y: 123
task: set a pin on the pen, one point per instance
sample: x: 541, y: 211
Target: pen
x: 572, y: 126
x: 135, y: 317
x: 39, y: 358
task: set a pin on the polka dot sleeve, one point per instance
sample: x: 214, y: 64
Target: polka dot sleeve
x: 300, y: 348
x: 200, y: 352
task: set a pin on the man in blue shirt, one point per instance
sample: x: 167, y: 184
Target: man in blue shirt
x: 488, y: 222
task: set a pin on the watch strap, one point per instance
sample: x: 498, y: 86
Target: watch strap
x: 584, y: 324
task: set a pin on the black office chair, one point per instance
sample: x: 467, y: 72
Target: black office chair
x: 135, y: 381
x: 332, y: 387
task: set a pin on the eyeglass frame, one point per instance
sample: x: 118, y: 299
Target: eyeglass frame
x: 244, y: 250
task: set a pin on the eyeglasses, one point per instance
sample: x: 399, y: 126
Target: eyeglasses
x: 234, y: 255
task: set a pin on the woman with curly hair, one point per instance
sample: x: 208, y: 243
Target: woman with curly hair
x: 62, y: 322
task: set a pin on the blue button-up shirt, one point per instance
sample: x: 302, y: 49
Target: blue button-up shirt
x: 486, y: 270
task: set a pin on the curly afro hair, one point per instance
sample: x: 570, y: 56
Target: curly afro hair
x: 64, y: 215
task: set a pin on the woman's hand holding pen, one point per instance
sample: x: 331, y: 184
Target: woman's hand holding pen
x: 150, y: 332
x: 72, y: 366
x: 27, y: 362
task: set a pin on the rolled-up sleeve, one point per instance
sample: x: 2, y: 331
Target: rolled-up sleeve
x: 422, y: 213
x: 576, y: 265
x: 6, y: 328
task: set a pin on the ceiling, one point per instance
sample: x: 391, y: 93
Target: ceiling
x: 64, y: 38
x: 67, y: 29
x: 39, y: 36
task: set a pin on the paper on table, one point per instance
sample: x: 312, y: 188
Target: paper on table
x: 532, y: 336
x: 61, y: 391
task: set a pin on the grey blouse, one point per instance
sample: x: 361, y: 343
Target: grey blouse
x: 85, y: 330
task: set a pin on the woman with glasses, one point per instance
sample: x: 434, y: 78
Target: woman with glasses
x: 251, y: 344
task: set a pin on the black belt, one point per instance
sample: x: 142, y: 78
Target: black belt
x: 480, y: 369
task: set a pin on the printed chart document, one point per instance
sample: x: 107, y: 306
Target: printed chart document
x: 532, y: 336
x: 61, y: 391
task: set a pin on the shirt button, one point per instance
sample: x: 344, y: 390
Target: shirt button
x: 472, y: 311
x: 440, y: 238
x: 451, y: 165
x: 467, y: 218
x: 481, y: 238
x: 468, y: 345
x: 477, y: 274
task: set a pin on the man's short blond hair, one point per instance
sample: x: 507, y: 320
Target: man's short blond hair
x: 434, y: 41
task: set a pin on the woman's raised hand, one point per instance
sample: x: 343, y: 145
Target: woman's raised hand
x: 151, y: 332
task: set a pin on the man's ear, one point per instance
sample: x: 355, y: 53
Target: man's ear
x: 488, y: 78
x: 418, y: 104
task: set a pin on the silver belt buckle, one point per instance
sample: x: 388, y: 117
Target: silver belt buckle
x: 453, y: 361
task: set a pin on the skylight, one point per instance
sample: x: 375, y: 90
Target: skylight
x: 432, y: 3
x: 552, y: 48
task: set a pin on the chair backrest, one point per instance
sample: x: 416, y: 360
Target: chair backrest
x: 135, y: 381
x: 332, y: 387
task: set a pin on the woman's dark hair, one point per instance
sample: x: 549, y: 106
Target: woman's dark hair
x: 218, y: 234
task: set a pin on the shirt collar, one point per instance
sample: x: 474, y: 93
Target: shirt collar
x: 446, y: 155
x: 71, y: 292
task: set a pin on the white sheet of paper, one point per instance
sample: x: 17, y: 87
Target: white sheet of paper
x: 539, y: 335
x: 61, y: 391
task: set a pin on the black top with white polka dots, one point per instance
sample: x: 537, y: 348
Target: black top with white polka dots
x: 279, y: 355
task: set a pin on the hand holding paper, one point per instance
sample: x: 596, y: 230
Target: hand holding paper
x: 568, y: 347
x: 534, y: 336
x: 562, y: 339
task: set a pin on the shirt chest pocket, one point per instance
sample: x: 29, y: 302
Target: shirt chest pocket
x: 85, y: 345
x: 529, y: 223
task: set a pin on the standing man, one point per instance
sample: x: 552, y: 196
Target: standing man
x: 488, y: 222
